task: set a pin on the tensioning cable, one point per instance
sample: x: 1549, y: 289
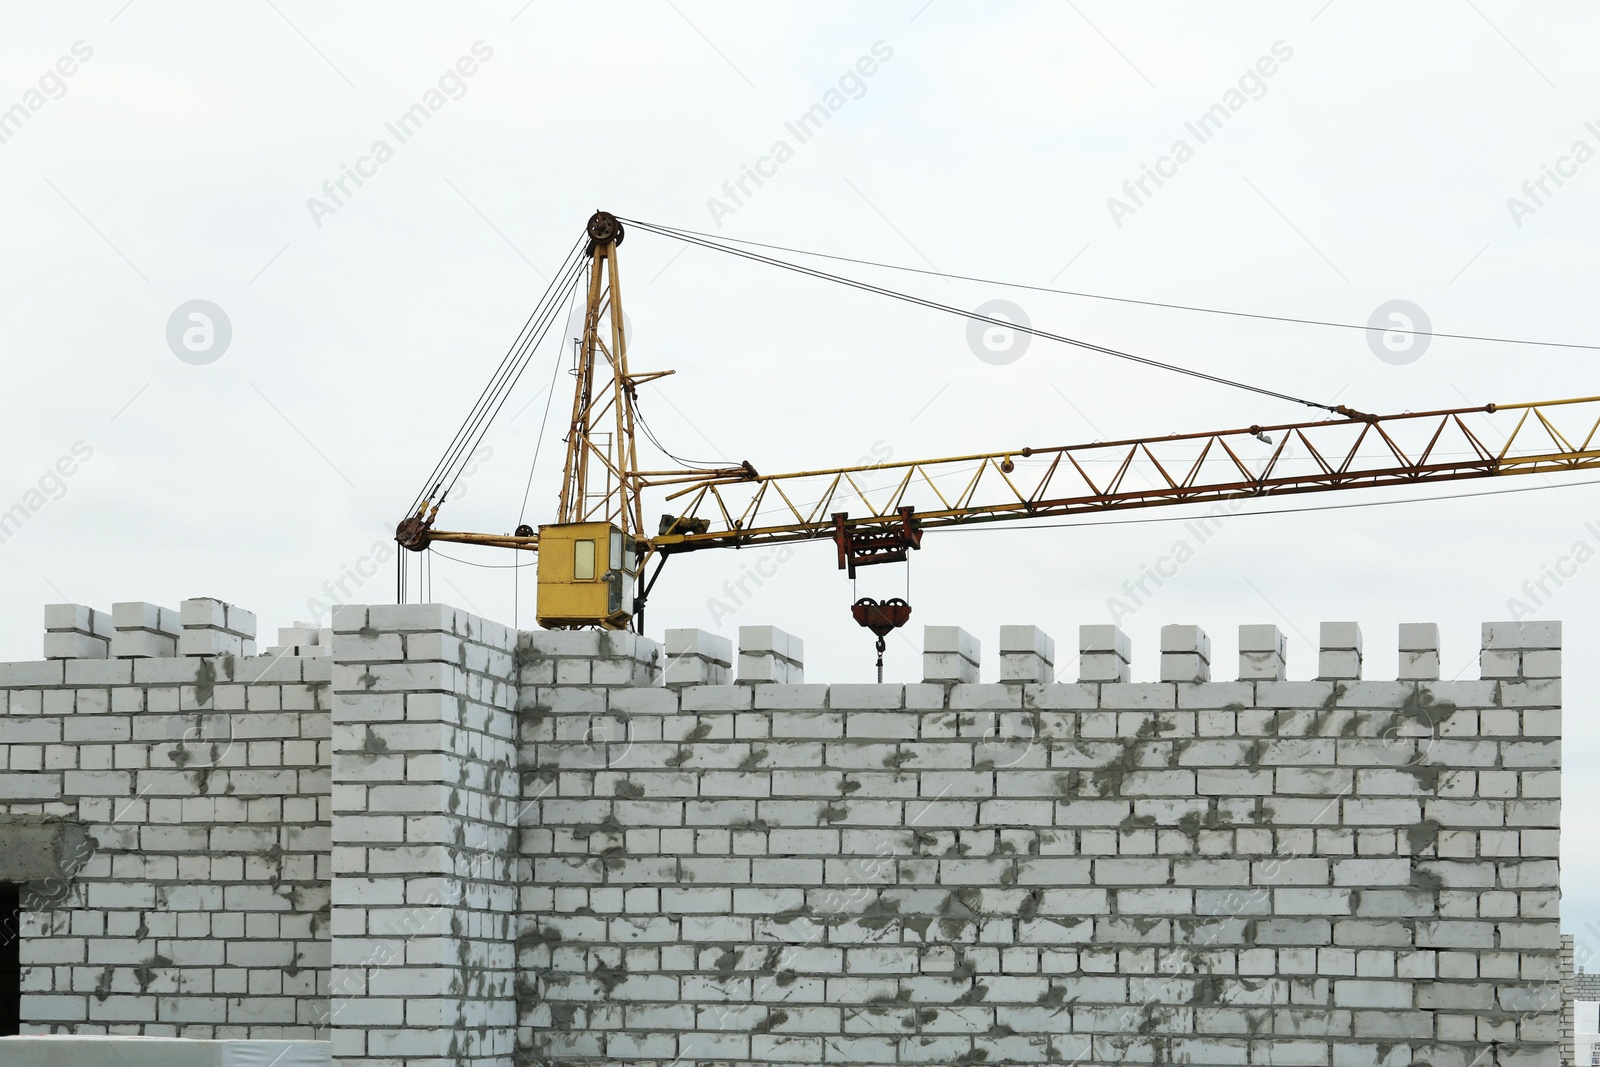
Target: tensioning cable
x: 1142, y: 303
x: 505, y: 375
x: 490, y: 414
x: 935, y: 305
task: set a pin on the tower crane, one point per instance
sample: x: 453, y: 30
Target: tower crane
x: 593, y: 555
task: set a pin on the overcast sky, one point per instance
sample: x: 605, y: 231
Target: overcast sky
x: 168, y: 153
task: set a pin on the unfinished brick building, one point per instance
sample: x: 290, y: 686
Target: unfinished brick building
x: 429, y: 839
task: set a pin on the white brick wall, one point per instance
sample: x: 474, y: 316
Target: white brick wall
x: 1253, y: 871
x: 425, y: 810
x: 200, y: 909
x: 432, y: 840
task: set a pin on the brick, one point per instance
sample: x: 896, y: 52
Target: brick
x: 1186, y: 639
x: 951, y: 639
x: 693, y: 642
x: 406, y: 617
x: 1419, y: 637
x: 1139, y: 695
x: 99, y: 672
x: 1102, y: 638
x: 1184, y: 667
x: 197, y: 642
x: 888, y: 724
x: 770, y: 639
x: 85, y: 620
x: 137, y: 615
x: 1339, y: 663
x: 142, y: 644
x: 715, y: 698
x: 45, y: 672
x: 208, y: 613
x: 988, y: 696
x: 29, y: 786
x: 1215, y: 694
x: 1419, y: 665
x: 764, y: 668
x: 854, y: 696
x: 1340, y: 635
x: 1499, y: 663
x: 1261, y: 638
x: 72, y: 645
x: 690, y: 670
x: 1102, y: 667
x: 1528, y: 634
x: 1027, y: 640
x: 1063, y: 696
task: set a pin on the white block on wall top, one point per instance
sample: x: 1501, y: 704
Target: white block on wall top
x: 951, y: 639
x: 206, y: 642
x: 761, y: 667
x: 1260, y: 637
x: 694, y: 670
x: 1028, y: 639
x: 1182, y: 638
x: 142, y: 644
x: 138, y: 615
x: 1103, y: 637
x: 78, y: 617
x: 1338, y: 664
x: 689, y: 641
x: 1340, y: 635
x: 209, y: 613
x: 770, y: 639
x: 944, y: 667
x: 1419, y: 637
x: 1519, y: 635
x: 1102, y: 667
x: 203, y: 612
x: 70, y: 644
x: 1419, y: 665
x: 1185, y: 667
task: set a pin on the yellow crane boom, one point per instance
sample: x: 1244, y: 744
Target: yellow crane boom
x: 1361, y: 451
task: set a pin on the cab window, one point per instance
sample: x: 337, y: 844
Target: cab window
x: 583, y: 561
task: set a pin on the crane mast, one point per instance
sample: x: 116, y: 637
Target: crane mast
x: 600, y: 440
x: 592, y: 558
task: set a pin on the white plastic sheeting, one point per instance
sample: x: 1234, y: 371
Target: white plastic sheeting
x: 63, y: 1051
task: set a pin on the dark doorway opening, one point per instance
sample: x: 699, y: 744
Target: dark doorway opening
x: 10, y: 959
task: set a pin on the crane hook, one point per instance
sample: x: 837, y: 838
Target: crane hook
x: 881, y: 618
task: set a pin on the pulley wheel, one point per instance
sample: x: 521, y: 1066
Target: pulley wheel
x: 604, y: 228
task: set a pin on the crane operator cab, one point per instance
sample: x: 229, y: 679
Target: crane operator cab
x: 587, y: 572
